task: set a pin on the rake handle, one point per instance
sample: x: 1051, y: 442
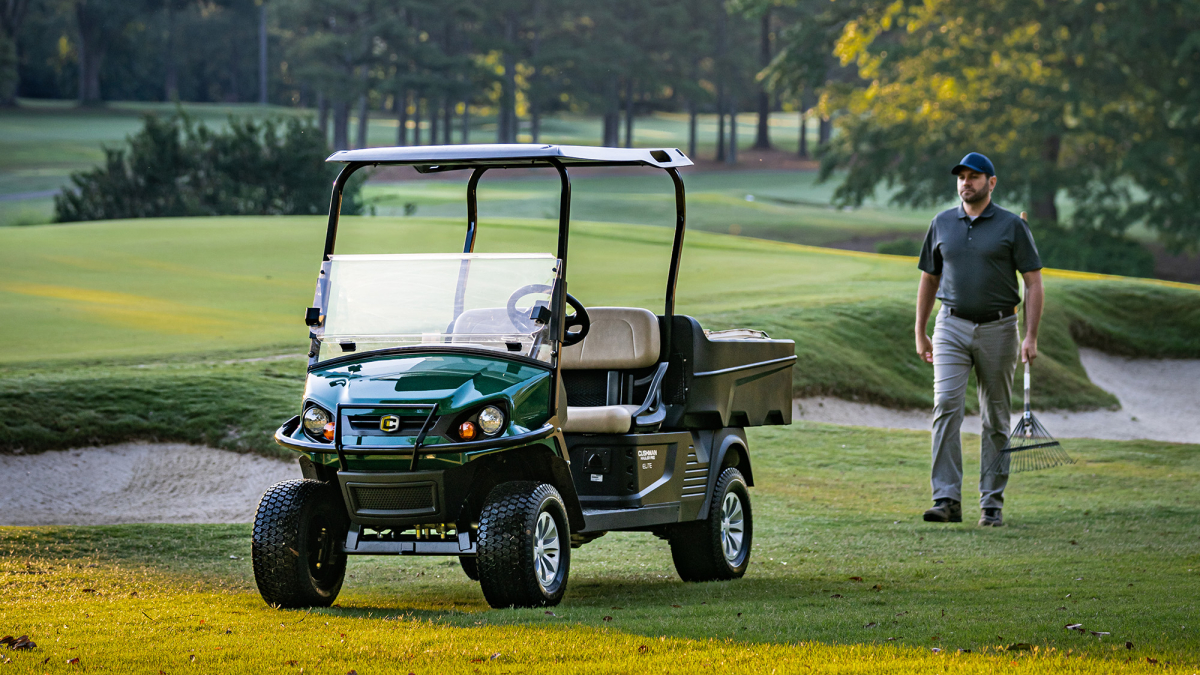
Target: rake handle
x: 1028, y: 414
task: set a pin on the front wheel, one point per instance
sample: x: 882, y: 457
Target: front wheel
x: 718, y: 547
x: 524, y: 546
x: 299, y: 531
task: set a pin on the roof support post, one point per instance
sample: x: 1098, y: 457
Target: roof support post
x: 335, y: 206
x: 676, y: 254
x: 559, y: 299
x: 473, y: 208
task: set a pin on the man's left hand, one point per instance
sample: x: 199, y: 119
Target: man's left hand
x: 1029, y: 350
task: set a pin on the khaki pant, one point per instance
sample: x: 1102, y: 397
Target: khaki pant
x: 992, y: 350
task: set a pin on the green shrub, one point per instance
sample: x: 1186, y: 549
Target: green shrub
x: 910, y: 247
x: 174, y: 168
x: 1091, y: 250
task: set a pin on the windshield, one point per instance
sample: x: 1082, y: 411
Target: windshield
x: 481, y: 300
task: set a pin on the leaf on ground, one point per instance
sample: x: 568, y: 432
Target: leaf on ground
x: 1150, y: 660
x: 22, y: 642
x: 6, y: 640
x: 615, y: 607
x: 870, y: 625
x: 1019, y: 647
x: 1074, y: 626
x: 902, y: 613
x: 935, y: 650
x: 890, y: 639
x: 1074, y: 543
x: 642, y: 649
x: 877, y: 587
x: 677, y: 606
x: 608, y: 618
x: 351, y: 672
x: 73, y: 662
x: 493, y: 657
x: 476, y: 660
x: 1099, y: 633
x: 549, y: 613
x: 739, y: 614
x: 291, y: 662
x: 855, y: 578
x: 1128, y: 644
x: 836, y: 595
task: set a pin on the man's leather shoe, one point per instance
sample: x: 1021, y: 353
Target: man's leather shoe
x: 991, y: 518
x: 945, y: 511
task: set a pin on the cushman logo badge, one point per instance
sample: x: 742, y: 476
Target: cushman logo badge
x: 389, y: 423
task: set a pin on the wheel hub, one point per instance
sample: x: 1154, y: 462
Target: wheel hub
x: 546, y: 550
x: 732, y: 527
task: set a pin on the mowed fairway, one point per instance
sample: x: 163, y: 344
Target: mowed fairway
x: 141, y: 288
x: 844, y: 578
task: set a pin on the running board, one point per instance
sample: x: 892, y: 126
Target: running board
x: 460, y: 546
x: 602, y: 520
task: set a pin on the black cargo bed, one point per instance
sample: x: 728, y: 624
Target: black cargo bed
x: 728, y: 379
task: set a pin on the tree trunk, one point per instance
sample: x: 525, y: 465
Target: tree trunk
x: 435, y: 121
x: 732, y: 158
x: 401, y: 106
x: 262, y: 54
x: 824, y: 130
x: 506, y: 128
x: 364, y: 122
x: 691, y: 129
x: 762, y: 141
x: 341, y: 125
x: 323, y: 115
x: 466, y: 122
x: 720, y: 124
x: 535, y: 122
x: 92, y: 46
x: 171, y: 80
x: 417, y: 119
x: 612, y: 117
x: 12, y: 15
x: 1044, y: 190
x: 629, y: 113
x: 447, y: 119
x: 803, y: 152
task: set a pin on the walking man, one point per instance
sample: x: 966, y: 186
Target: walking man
x: 970, y: 261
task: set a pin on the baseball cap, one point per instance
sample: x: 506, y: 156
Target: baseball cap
x: 975, y: 162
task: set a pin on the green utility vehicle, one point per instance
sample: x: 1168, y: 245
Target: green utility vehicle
x: 465, y: 404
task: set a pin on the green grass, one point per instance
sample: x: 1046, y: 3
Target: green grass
x: 151, y: 328
x: 1112, y: 542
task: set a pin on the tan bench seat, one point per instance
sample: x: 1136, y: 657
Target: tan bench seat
x: 620, y: 339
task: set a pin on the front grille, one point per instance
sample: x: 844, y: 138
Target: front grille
x: 394, y: 498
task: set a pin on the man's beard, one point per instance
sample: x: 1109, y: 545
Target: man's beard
x: 977, y: 196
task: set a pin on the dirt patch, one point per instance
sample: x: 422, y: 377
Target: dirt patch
x: 136, y: 483
x: 1159, y: 401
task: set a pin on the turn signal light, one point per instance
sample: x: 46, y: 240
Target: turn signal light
x: 466, y: 431
x: 328, y: 432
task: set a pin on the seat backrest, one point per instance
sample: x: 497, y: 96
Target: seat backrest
x: 621, y: 338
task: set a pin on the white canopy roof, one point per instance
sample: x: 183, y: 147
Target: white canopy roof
x: 428, y: 158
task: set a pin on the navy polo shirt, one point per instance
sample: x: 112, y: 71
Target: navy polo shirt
x: 978, y: 261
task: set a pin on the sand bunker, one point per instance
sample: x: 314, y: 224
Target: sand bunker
x: 175, y: 483
x: 136, y: 483
x: 1160, y: 400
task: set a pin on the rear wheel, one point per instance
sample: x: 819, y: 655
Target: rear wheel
x: 469, y: 567
x: 299, y: 531
x: 717, y: 547
x: 524, y: 546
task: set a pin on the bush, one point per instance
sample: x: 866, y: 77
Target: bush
x: 909, y: 247
x: 1091, y: 250
x: 173, y: 167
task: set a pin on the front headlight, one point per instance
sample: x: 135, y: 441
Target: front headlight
x: 491, y: 420
x: 317, y: 424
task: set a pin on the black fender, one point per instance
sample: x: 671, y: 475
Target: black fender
x: 535, y: 462
x: 729, y: 448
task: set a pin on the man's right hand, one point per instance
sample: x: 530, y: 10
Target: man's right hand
x: 924, y: 347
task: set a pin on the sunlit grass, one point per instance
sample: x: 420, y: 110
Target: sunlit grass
x: 1112, y: 542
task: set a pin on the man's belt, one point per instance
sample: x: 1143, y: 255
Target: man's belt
x: 984, y: 318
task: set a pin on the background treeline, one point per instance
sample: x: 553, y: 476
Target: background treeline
x: 1089, y: 109
x: 437, y: 62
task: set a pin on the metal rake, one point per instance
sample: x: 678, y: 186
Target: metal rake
x: 1030, y: 447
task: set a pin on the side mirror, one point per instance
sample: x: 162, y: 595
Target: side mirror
x: 312, y: 316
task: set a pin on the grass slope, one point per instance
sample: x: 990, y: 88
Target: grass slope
x: 1112, y: 542
x: 140, y: 329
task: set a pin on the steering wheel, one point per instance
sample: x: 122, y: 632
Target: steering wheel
x: 577, y: 324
